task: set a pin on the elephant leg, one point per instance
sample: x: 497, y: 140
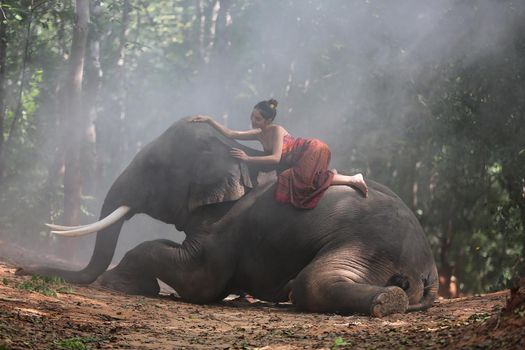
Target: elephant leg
x: 195, y: 278
x: 135, y: 273
x: 334, y: 289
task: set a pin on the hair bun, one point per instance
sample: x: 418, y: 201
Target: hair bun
x: 267, y: 108
x: 273, y: 103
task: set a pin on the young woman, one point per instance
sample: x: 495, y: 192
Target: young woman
x: 306, y: 160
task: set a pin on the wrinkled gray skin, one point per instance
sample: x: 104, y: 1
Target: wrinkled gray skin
x: 348, y: 255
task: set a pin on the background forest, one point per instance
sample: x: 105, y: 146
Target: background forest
x: 427, y: 97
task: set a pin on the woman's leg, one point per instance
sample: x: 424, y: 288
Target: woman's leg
x: 354, y: 180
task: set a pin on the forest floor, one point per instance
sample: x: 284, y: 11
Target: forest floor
x: 40, y: 313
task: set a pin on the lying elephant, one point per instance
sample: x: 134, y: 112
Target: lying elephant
x: 348, y: 255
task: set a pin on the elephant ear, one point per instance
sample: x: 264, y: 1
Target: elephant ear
x: 216, y: 176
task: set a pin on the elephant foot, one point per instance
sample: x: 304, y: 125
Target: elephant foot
x: 133, y: 285
x: 391, y: 300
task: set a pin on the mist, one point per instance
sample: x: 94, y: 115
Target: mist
x: 347, y: 72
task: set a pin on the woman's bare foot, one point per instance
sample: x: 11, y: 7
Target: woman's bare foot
x: 358, y: 182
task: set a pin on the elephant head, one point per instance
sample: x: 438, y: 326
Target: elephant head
x: 185, y: 168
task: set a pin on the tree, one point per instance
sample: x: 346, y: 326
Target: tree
x: 3, y: 61
x: 75, y: 127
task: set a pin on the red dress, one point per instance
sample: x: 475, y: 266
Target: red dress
x: 306, y: 176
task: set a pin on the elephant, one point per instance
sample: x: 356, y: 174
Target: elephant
x: 348, y: 255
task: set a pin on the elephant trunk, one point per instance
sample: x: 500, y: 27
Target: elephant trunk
x: 105, y: 245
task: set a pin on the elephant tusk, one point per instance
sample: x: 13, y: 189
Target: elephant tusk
x: 63, y: 228
x: 96, y: 226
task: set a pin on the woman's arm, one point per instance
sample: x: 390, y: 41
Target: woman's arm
x: 233, y: 134
x: 274, y: 158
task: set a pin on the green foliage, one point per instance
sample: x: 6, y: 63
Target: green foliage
x: 445, y: 132
x: 340, y: 343
x: 476, y: 214
x: 25, y: 187
x: 48, y: 286
x: 76, y: 343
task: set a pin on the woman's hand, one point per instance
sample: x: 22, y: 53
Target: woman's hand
x: 200, y: 119
x: 239, y: 154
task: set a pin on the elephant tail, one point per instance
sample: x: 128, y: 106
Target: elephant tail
x: 430, y: 289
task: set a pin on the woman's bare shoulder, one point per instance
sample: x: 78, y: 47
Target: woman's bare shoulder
x: 278, y: 130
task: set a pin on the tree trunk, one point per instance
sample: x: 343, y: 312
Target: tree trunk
x: 515, y: 185
x: 55, y: 169
x: 224, y: 22
x: 90, y: 97
x: 521, y: 264
x: 121, y: 75
x: 212, y: 31
x: 201, y: 28
x: 59, y: 101
x: 111, y: 139
x: 215, y: 52
x: 75, y: 126
x: 447, y: 282
x: 3, y: 55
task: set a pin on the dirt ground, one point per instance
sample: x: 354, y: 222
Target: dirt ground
x: 89, y: 317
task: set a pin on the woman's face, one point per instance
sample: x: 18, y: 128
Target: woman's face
x: 258, y: 121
